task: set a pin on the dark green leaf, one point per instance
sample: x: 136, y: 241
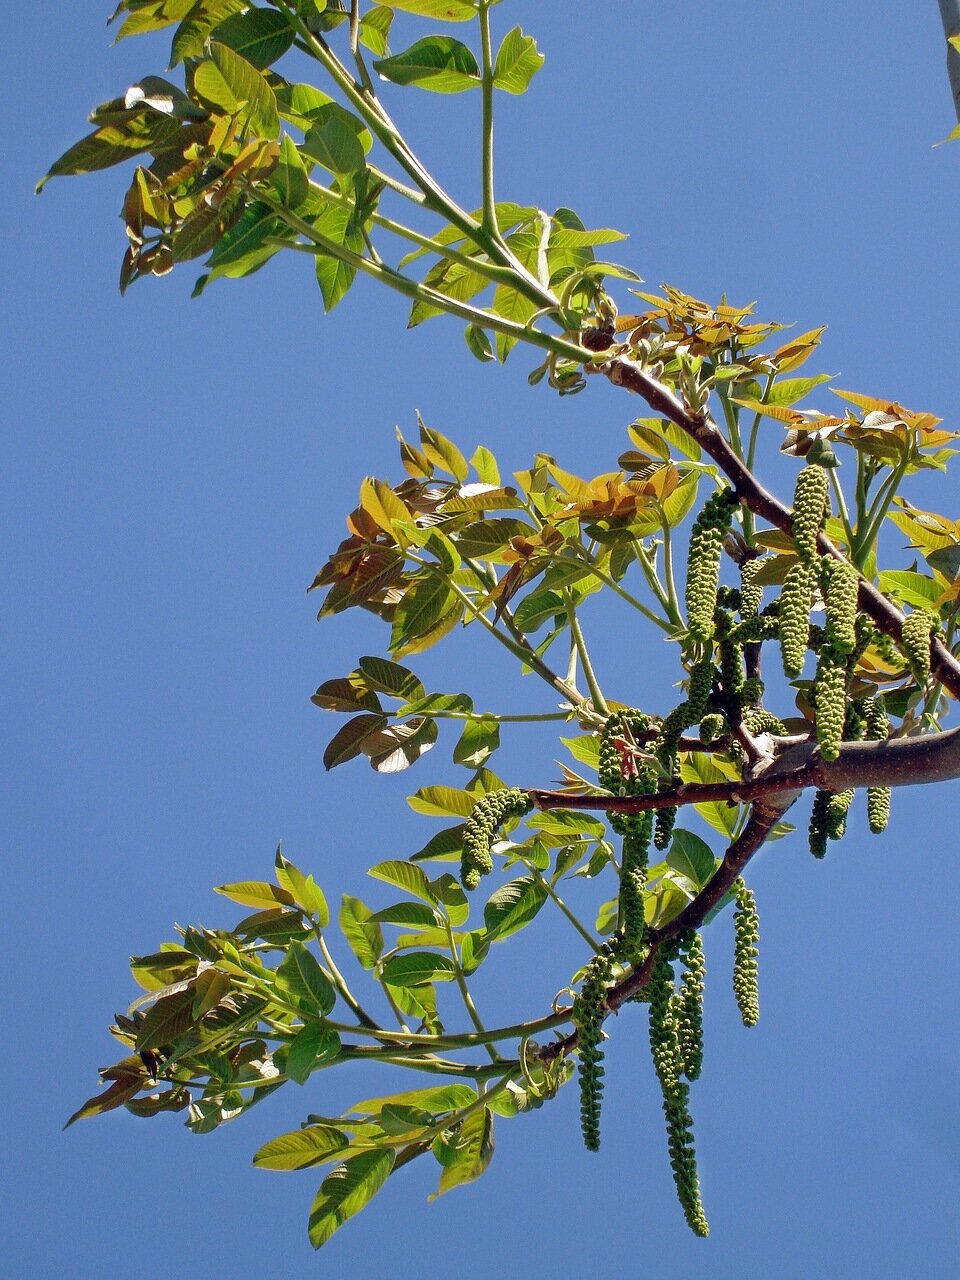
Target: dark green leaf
x: 692, y: 857
x: 300, y: 976
x: 414, y: 967
x: 311, y: 1045
x: 259, y: 35
x: 289, y: 179
x: 231, y: 83
x: 439, y: 63
x: 391, y: 678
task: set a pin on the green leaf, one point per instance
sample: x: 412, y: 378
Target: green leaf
x: 189, y: 37
x: 406, y: 876
x: 788, y: 391
x: 437, y: 1100
x: 232, y: 83
x: 346, y: 1190
x: 364, y: 937
x: 442, y: 801
x: 442, y: 452
x: 262, y: 36
x: 335, y: 140
x: 439, y: 63
x: 479, y: 740
x: 312, y: 1045
x: 306, y: 892
x: 168, y: 1019
x: 512, y: 907
x: 911, y: 588
x: 518, y: 61
x: 414, y: 915
x: 300, y: 976
x: 415, y: 967
x: 478, y: 343
x: 692, y: 857
x: 723, y: 817
x: 422, y: 606
x: 289, y: 179
x: 301, y: 1149
x: 474, y: 1152
x: 243, y: 249
x: 335, y: 276
x: 375, y: 30
x: 538, y: 608
x: 488, y: 539
x: 445, y: 846
x: 391, y: 678
x: 256, y: 893
x: 442, y: 10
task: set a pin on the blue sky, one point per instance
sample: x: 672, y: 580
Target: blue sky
x: 177, y: 471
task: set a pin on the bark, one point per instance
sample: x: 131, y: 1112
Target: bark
x: 950, y: 13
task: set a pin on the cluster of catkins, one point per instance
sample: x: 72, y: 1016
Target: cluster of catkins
x: 480, y: 829
x: 839, y: 645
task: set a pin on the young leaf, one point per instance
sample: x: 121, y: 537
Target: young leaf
x: 518, y: 61
x: 406, y: 876
x: 473, y: 1153
x: 306, y: 892
x: 346, y: 1190
x: 256, y: 893
x: 364, y: 937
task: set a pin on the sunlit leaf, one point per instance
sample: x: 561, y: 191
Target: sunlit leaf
x: 314, y: 1144
x: 439, y: 63
x: 364, y: 937
x: 518, y: 61
x: 346, y: 1190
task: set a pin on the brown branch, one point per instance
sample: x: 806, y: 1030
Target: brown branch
x: 898, y: 762
x: 623, y: 372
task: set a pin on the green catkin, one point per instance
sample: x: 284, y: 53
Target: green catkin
x: 688, y: 713
x: 688, y: 1009
x: 830, y: 702
x: 918, y: 627
x: 809, y: 510
x: 588, y: 1019
x: 756, y: 629
x: 796, y: 598
x: 623, y: 774
x: 817, y: 831
x: 751, y: 592
x: 746, y: 930
x: 752, y: 691
x: 840, y: 583
x: 703, y: 563
x: 836, y: 816
x: 764, y: 722
x: 489, y: 813
x: 668, y: 1064
x: 712, y: 726
x: 877, y: 729
x: 731, y: 659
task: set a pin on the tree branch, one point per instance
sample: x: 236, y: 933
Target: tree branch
x: 898, y: 762
x: 950, y: 13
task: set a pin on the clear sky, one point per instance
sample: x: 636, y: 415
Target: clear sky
x: 176, y: 472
